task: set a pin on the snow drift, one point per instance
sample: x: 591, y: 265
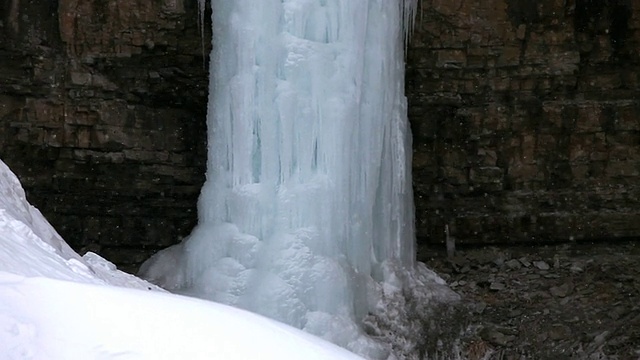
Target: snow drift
x: 55, y: 304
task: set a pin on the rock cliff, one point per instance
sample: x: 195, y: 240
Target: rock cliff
x: 526, y: 119
x: 102, y: 108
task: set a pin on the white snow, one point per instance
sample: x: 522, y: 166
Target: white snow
x: 55, y: 304
x: 30, y: 246
x: 308, y: 200
x: 44, y: 318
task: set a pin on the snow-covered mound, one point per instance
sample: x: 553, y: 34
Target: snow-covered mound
x: 55, y: 304
x: 42, y: 318
x: 30, y: 246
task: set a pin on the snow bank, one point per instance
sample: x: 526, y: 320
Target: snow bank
x: 30, y: 246
x: 55, y: 304
x: 42, y: 318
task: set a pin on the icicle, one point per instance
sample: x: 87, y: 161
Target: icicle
x: 409, y: 11
x: 201, y: 13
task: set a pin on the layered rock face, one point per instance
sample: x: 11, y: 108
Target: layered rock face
x: 526, y: 118
x: 102, y: 108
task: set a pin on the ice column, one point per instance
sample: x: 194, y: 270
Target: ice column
x: 308, y: 194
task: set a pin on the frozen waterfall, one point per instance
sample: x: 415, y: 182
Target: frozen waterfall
x: 307, y: 210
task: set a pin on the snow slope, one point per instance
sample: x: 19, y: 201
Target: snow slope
x: 30, y: 246
x: 55, y: 304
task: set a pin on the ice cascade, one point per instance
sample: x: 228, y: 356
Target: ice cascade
x: 307, y: 210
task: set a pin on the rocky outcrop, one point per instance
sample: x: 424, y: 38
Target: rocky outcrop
x: 102, y: 109
x: 526, y: 119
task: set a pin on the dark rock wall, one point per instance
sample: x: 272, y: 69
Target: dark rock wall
x: 526, y: 119
x: 525, y: 114
x: 102, y: 116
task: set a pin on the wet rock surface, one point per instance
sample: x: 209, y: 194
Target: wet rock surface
x: 568, y: 301
x: 102, y: 117
x: 524, y: 119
